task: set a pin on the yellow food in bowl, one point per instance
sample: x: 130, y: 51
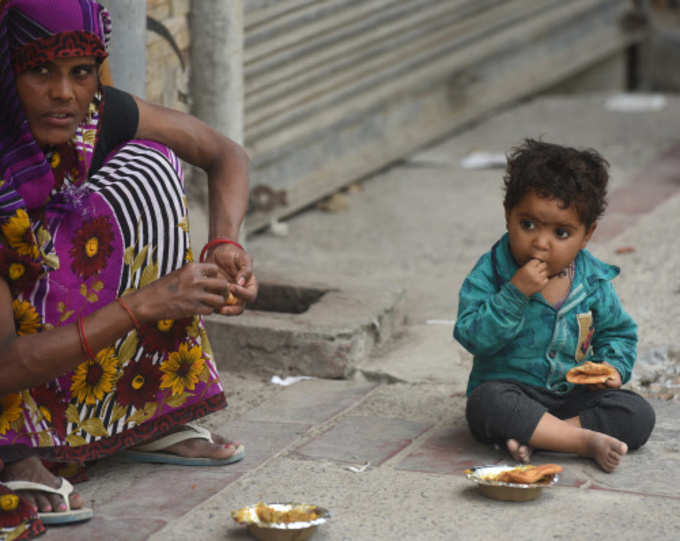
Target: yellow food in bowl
x: 269, y: 515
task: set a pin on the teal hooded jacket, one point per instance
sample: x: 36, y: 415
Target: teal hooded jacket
x: 526, y: 339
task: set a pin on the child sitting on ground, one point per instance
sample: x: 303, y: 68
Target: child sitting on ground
x: 538, y: 304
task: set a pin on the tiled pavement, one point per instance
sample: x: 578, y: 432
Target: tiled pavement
x: 322, y: 421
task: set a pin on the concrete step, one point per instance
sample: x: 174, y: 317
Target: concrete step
x: 311, y: 328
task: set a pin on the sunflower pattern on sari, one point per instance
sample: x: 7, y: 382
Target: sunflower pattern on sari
x: 18, y: 522
x: 153, y: 378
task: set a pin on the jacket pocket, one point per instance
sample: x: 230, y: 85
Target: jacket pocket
x: 585, y: 335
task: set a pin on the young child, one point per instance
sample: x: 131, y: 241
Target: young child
x: 538, y: 304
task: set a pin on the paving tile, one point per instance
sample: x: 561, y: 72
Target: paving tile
x: 167, y: 491
x: 636, y: 492
x: 311, y: 402
x: 356, y: 439
x: 262, y: 439
x: 110, y: 529
x: 656, y: 183
x: 450, y: 451
x: 641, y: 198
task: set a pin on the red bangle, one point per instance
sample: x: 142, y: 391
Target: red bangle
x: 129, y: 312
x: 215, y: 242
x: 83, y: 340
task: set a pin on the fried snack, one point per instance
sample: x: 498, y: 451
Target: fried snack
x: 263, y: 513
x: 299, y: 513
x: 590, y: 372
x: 231, y: 299
x: 242, y: 516
x: 529, y: 474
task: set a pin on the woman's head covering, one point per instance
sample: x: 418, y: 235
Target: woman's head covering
x: 33, y: 32
x: 37, y: 34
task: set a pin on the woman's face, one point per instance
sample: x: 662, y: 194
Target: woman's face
x: 56, y: 97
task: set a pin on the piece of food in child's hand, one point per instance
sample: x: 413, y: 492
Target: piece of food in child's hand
x: 590, y: 372
x: 231, y: 299
x: 529, y: 474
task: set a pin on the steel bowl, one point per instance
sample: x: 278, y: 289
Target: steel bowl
x: 281, y: 531
x: 483, y: 476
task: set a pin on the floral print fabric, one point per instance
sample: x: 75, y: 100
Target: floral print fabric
x: 18, y: 521
x: 129, y: 228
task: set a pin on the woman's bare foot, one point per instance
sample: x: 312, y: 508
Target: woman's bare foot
x: 32, y: 469
x: 521, y: 453
x: 605, y: 450
x: 200, y: 447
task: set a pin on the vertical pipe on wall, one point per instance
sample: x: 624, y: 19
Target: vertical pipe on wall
x: 216, y: 85
x: 217, y: 65
x: 127, y: 56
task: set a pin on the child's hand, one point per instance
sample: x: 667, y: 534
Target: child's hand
x: 532, y: 277
x: 613, y: 382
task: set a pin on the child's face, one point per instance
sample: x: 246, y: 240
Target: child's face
x: 540, y: 229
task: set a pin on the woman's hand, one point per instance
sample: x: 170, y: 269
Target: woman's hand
x: 237, y: 266
x: 196, y: 288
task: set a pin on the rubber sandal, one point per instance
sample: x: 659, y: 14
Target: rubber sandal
x: 154, y: 452
x: 55, y: 517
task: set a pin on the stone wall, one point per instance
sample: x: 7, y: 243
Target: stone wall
x: 166, y: 82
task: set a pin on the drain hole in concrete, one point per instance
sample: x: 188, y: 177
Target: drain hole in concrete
x: 286, y: 299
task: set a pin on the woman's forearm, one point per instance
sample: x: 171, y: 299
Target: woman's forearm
x: 228, y: 191
x: 35, y: 359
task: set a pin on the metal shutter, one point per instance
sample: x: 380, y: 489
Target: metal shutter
x: 336, y: 89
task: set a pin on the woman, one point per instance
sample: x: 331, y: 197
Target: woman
x: 103, y: 346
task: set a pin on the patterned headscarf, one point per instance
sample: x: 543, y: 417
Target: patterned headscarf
x: 33, y: 32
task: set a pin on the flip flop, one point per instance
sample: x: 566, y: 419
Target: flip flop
x: 154, y: 452
x: 54, y: 517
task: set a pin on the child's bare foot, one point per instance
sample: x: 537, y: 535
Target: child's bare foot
x: 605, y: 450
x: 521, y: 453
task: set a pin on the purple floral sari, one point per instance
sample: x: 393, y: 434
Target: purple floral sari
x: 72, y: 242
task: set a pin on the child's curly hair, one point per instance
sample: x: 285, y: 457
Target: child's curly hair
x: 558, y: 172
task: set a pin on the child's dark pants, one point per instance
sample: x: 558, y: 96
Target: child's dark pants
x: 499, y: 410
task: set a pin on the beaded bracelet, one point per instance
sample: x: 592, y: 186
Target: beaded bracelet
x: 216, y: 242
x: 129, y: 312
x: 84, y: 345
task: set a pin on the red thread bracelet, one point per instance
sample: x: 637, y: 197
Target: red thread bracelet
x: 83, y: 340
x: 129, y: 312
x: 216, y: 242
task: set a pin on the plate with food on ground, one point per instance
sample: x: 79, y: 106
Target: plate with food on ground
x: 513, y: 483
x: 281, y: 521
